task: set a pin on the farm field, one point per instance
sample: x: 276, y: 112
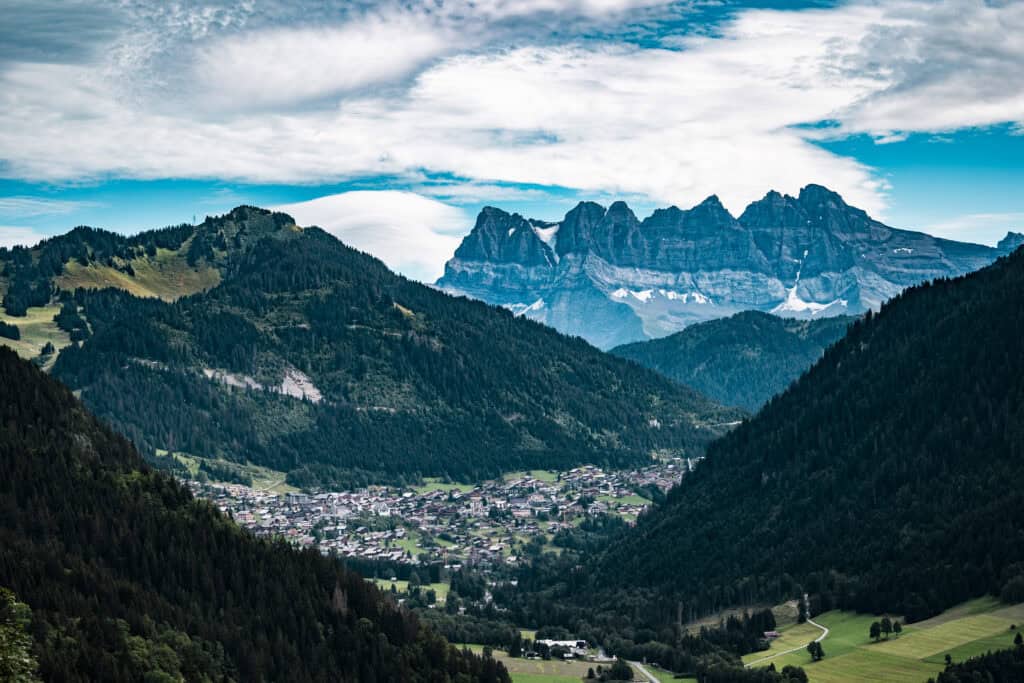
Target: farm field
x: 668, y: 676
x: 435, y: 484
x: 919, y: 652
x: 795, y: 635
x: 540, y: 475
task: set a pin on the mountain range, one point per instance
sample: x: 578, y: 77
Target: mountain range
x: 742, y: 360
x: 282, y: 347
x: 604, y: 275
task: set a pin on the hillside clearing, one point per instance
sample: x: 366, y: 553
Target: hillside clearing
x: 37, y: 328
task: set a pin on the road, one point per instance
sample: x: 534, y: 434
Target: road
x: 640, y: 667
x: 812, y: 622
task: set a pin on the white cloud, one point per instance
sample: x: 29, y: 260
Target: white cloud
x: 412, y: 234
x: 287, y: 65
x: 946, y: 65
x: 716, y: 115
x: 25, y: 207
x: 475, y: 193
x: 12, y: 235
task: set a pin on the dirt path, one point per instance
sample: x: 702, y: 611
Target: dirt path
x: 824, y: 634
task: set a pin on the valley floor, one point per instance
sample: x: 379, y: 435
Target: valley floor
x: 971, y: 629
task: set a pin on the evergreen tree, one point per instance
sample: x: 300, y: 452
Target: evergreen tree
x: 17, y: 663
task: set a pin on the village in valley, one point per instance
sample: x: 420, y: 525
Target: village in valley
x: 492, y: 522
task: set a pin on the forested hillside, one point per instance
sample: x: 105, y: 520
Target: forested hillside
x: 886, y: 479
x: 129, y: 578
x: 314, y: 359
x: 742, y: 360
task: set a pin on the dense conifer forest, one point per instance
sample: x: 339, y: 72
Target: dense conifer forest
x: 886, y: 479
x: 742, y: 360
x: 127, y: 578
x: 409, y: 381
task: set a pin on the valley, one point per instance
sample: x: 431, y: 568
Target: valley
x: 492, y: 341
x: 503, y: 521
x: 493, y: 477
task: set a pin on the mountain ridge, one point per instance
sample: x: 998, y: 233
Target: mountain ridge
x: 612, y: 278
x: 742, y: 360
x: 314, y: 359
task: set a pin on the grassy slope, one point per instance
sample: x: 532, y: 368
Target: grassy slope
x: 166, y: 276
x: 37, y: 328
x: 967, y: 630
x: 263, y: 478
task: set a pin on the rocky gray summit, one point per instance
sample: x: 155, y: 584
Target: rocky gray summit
x: 604, y: 275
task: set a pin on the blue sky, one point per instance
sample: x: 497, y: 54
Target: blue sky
x: 391, y: 123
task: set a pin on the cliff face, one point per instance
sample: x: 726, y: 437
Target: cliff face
x: 611, y: 278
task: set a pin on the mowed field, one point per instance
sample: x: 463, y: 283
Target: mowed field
x: 918, y: 653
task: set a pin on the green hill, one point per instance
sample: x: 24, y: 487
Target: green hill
x: 742, y: 360
x: 886, y: 478
x: 130, y: 579
x: 314, y: 359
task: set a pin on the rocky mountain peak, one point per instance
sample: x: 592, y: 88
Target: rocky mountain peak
x: 819, y: 194
x: 1010, y: 242
x: 501, y: 236
x: 806, y: 256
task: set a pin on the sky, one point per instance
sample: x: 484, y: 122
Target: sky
x: 390, y: 123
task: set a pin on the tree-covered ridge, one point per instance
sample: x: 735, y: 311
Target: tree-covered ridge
x: 742, y: 360
x: 408, y: 381
x: 886, y: 478
x: 167, y: 263
x: 129, y: 578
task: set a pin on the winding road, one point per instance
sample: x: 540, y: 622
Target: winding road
x: 812, y: 622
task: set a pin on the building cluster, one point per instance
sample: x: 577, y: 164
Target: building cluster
x: 493, y: 522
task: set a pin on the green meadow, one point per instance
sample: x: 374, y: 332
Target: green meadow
x: 36, y: 328
x: 915, y: 655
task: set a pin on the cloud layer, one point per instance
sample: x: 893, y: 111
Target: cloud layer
x: 412, y: 234
x: 499, y: 92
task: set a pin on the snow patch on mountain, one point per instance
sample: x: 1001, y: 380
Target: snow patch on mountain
x: 794, y: 304
x: 684, y: 297
x: 525, y: 309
